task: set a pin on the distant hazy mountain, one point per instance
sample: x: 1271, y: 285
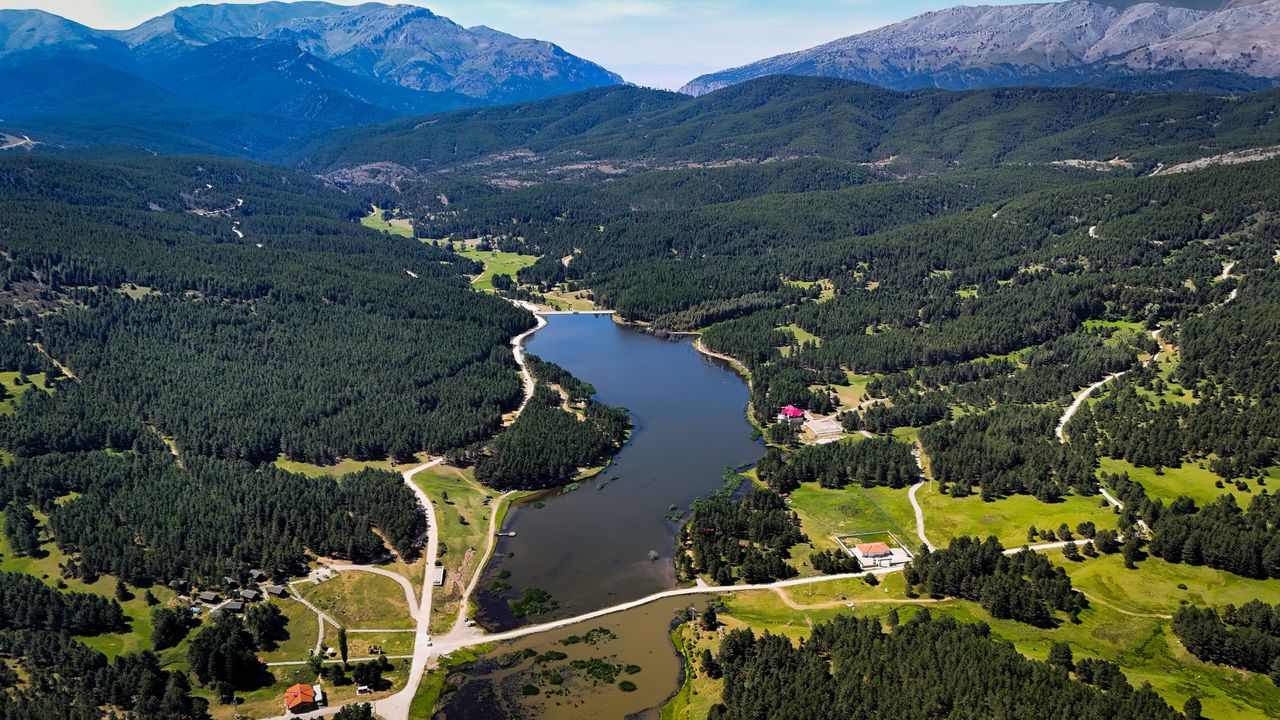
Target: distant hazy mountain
x: 1208, y: 45
x: 406, y: 45
x: 316, y: 63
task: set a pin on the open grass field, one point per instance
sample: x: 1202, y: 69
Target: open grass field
x: 463, y: 521
x: 359, y: 644
x: 1191, y: 480
x: 562, y: 299
x: 497, y: 263
x: 828, y: 288
x: 946, y: 517
x: 14, y: 391
x: 397, y: 226
x: 1160, y: 587
x: 1145, y: 648
x: 302, y: 628
x: 139, y: 613
x: 360, y: 600
x: 342, y: 467
x: 801, y: 335
x: 269, y: 701
x: 826, y: 513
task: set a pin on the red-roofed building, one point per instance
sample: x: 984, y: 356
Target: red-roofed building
x: 874, y: 550
x: 299, y: 698
x: 791, y: 412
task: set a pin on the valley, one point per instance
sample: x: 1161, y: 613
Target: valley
x: 356, y: 363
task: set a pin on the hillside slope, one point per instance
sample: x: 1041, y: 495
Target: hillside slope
x: 1070, y: 43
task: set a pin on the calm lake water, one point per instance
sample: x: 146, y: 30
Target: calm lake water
x: 590, y: 548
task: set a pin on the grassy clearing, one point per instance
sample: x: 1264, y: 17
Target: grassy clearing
x: 394, y: 644
x: 801, y: 335
x: 1159, y: 587
x: 826, y: 513
x: 360, y: 600
x: 1190, y: 480
x: 562, y: 299
x: 1136, y: 327
x: 699, y: 692
x: 463, y: 521
x: 497, y: 263
x: 15, y: 391
x: 302, y: 628
x: 828, y: 288
x: 342, y: 467
x: 1008, y: 518
x: 269, y: 701
x: 46, y: 568
x: 1144, y: 647
x: 397, y: 226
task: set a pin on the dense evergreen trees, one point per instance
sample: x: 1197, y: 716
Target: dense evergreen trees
x: 1009, y: 450
x: 747, y: 538
x: 1245, y: 637
x: 21, y: 529
x: 26, y: 603
x: 873, y: 462
x: 306, y: 336
x: 1024, y: 586
x: 65, y: 680
x: 548, y: 446
x: 1221, y: 535
x: 924, y: 669
x: 223, y: 652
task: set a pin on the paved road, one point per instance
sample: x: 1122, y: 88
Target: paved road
x: 915, y: 506
x: 517, y: 349
x: 459, y: 625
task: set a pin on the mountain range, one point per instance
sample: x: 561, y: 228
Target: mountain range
x: 315, y: 64
x: 1193, y: 45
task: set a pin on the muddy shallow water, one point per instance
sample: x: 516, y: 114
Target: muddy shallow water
x: 632, y: 646
x: 610, y: 540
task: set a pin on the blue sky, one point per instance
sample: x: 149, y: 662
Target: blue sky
x: 661, y: 43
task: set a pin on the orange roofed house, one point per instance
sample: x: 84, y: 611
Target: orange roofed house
x: 299, y: 698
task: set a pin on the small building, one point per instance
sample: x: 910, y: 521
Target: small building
x: 278, y: 591
x: 791, y: 413
x: 874, y: 550
x: 250, y: 595
x: 208, y: 597
x: 363, y: 690
x: 319, y: 693
x: 299, y: 699
x: 230, y: 581
x: 876, y: 554
x: 257, y: 575
x: 234, y: 606
x: 437, y: 576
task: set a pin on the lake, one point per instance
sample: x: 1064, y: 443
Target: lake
x: 591, y: 547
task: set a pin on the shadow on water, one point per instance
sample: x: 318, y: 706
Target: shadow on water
x: 610, y: 539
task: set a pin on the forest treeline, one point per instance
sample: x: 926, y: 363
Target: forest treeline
x: 731, y: 537
x: 307, y: 336
x: 1023, y: 586
x: 26, y: 603
x: 1246, y: 637
x: 1220, y: 534
x: 923, y: 669
x: 547, y: 445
